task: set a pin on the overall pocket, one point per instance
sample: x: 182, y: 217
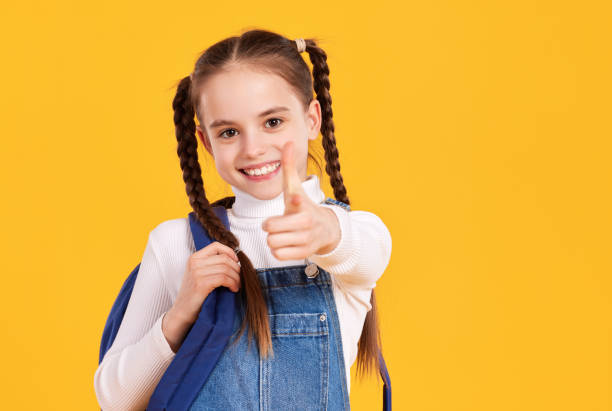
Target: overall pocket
x: 298, y: 374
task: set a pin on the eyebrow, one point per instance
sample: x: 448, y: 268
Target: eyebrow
x: 271, y: 110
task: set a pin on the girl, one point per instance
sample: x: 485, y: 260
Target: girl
x: 252, y: 97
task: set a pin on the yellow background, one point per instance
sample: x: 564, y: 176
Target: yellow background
x: 478, y: 131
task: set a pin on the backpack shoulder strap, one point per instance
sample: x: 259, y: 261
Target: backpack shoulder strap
x: 200, y: 236
x: 203, y: 344
x: 113, y: 321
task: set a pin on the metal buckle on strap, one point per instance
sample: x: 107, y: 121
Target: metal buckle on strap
x: 311, y: 270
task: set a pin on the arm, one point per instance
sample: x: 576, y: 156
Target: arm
x: 140, y: 354
x: 363, y: 252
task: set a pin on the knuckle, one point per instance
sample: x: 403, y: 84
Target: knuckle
x: 307, y: 220
x: 228, y: 281
x: 202, y: 285
x: 216, y: 245
x: 308, y: 237
x: 310, y: 219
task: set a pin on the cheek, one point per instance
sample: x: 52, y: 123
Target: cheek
x: 299, y: 136
x: 225, y: 159
x: 302, y: 145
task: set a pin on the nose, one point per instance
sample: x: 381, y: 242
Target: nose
x: 253, y: 145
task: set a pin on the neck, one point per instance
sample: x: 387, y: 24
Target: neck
x: 248, y: 206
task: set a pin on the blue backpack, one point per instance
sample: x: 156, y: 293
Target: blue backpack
x: 205, y: 340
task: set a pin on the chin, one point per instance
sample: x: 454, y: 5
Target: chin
x: 265, y: 194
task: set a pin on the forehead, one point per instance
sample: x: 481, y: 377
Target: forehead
x: 241, y: 92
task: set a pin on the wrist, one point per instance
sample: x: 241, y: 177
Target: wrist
x: 331, y: 232
x: 174, y: 328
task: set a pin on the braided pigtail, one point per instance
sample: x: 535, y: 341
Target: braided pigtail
x: 370, y: 341
x: 320, y: 74
x: 250, y: 291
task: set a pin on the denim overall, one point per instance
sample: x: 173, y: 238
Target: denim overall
x: 307, y: 371
x: 304, y: 324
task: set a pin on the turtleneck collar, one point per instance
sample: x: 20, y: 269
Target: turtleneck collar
x: 247, y: 206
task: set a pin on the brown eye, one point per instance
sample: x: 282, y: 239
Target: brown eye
x: 273, y: 119
x: 225, y: 131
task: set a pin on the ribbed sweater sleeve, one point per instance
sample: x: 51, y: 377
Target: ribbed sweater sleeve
x: 364, y: 250
x: 140, y: 354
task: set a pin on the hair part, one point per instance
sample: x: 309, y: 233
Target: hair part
x: 269, y: 52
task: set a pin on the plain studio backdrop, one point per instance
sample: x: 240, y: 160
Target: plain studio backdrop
x: 479, y: 132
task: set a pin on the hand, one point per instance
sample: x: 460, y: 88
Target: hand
x: 213, y: 266
x: 305, y: 228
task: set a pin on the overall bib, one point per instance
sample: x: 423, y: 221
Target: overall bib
x: 307, y: 371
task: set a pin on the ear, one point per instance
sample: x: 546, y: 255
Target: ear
x: 313, y: 119
x: 204, y: 138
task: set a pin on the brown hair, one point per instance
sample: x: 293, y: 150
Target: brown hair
x: 262, y: 50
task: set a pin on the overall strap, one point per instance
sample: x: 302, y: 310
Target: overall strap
x: 203, y: 344
x: 384, y: 374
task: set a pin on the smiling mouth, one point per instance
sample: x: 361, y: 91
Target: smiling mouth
x: 262, y: 171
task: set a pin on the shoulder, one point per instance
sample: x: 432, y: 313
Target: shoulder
x: 171, y: 234
x: 355, y: 215
x: 173, y: 245
x: 172, y: 227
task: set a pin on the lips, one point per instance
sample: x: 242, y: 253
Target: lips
x: 259, y: 165
x: 266, y: 176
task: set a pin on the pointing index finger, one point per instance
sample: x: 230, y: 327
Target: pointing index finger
x: 290, y: 177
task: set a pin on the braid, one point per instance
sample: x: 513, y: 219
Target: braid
x: 187, y: 150
x: 369, y: 343
x: 250, y: 290
x: 226, y: 202
x: 320, y: 74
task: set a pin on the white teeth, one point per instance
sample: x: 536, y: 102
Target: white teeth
x: 263, y: 170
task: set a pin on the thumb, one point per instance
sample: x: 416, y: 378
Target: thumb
x: 292, y: 185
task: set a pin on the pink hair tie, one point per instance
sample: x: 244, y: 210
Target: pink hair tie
x: 301, y: 45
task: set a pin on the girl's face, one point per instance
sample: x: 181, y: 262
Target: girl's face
x: 248, y: 116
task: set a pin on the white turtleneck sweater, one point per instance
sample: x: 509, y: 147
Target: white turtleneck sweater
x: 140, y: 354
